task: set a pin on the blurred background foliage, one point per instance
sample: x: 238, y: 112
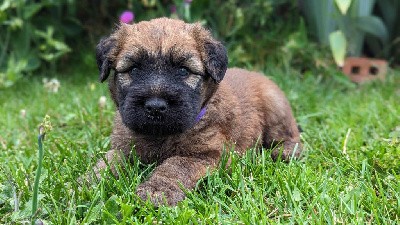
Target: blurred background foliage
x: 49, y: 36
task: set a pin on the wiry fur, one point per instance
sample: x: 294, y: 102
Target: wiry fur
x: 242, y: 106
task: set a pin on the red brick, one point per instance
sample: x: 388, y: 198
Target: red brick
x: 360, y: 70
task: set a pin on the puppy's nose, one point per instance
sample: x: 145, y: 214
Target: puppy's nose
x: 155, y: 106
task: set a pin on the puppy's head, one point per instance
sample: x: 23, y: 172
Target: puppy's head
x: 165, y: 72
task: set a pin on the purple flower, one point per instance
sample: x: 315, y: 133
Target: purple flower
x: 188, y: 1
x: 172, y: 9
x: 127, y: 17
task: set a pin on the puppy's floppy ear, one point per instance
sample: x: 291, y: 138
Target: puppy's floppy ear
x: 213, y: 53
x: 216, y: 61
x: 103, y: 49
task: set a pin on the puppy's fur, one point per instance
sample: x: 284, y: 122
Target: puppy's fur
x: 166, y: 72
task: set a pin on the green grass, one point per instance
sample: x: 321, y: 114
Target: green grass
x: 350, y: 173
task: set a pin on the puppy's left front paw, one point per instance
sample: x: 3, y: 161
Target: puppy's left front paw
x: 160, y: 192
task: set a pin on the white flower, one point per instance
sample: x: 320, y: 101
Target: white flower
x: 52, y: 86
x: 102, y: 101
x: 23, y: 113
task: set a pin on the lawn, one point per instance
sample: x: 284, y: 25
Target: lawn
x: 350, y: 172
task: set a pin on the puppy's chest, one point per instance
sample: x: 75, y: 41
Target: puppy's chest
x: 157, y: 150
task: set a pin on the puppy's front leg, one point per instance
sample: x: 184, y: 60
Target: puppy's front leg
x: 164, y: 184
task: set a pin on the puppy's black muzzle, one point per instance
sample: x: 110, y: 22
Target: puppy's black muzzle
x: 156, y: 106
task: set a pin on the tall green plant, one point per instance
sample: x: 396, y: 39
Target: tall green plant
x: 359, y: 21
x: 343, y: 24
x: 44, y: 127
x: 320, y: 17
x: 389, y: 11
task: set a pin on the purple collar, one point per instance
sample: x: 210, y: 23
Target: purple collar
x: 201, y: 114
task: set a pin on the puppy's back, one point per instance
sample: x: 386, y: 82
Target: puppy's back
x: 255, y: 90
x: 264, y: 108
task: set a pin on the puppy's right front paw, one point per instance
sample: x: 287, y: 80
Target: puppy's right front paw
x: 160, y: 193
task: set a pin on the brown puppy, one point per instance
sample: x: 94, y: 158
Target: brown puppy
x: 175, y: 108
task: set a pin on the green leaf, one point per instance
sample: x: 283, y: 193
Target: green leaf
x: 93, y: 214
x: 33, y: 62
x: 296, y: 195
x: 112, y: 206
x: 5, y: 5
x: 126, y: 210
x: 60, y: 46
x: 390, y: 9
x: 372, y: 25
x: 30, y: 10
x: 319, y: 15
x: 362, y: 8
x: 343, y: 5
x: 338, y: 45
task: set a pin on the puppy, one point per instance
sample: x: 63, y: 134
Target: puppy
x: 178, y: 105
